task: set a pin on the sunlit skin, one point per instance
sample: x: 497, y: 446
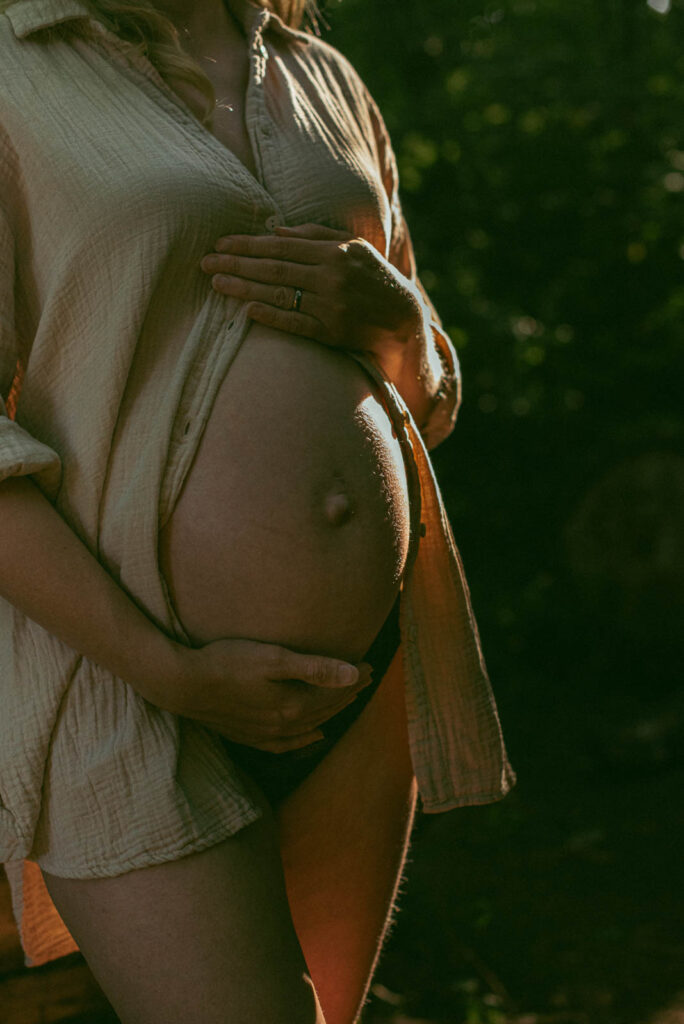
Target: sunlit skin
x: 257, y: 545
x: 292, y: 528
x: 366, y: 299
x: 352, y: 297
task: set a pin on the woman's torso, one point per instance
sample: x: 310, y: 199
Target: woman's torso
x: 293, y: 523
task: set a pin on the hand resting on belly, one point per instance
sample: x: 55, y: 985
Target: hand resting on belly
x: 262, y: 695
x: 292, y: 527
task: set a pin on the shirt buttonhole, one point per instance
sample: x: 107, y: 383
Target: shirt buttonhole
x: 186, y: 428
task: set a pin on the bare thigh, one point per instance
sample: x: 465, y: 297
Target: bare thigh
x: 207, y: 939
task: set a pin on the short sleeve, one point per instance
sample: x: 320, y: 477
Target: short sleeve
x: 400, y: 253
x: 21, y: 454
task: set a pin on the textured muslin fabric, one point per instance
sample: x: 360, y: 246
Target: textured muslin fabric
x: 112, y: 348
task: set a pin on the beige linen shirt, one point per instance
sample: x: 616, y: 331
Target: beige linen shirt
x: 112, y: 347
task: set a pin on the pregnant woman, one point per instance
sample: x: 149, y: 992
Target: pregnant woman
x: 236, y: 641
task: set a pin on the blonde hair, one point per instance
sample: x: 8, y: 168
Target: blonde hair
x: 151, y: 33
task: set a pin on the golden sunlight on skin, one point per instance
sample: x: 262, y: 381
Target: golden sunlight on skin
x: 293, y: 523
x: 332, y: 859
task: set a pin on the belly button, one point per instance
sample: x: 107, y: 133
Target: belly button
x: 338, y: 508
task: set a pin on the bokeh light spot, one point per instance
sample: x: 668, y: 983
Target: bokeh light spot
x: 674, y: 181
x: 636, y: 252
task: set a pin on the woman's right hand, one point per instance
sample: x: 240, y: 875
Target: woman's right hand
x: 263, y: 695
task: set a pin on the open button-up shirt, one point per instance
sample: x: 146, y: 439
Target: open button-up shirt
x: 112, y: 348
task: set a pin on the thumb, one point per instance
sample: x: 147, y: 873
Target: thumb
x: 314, y: 669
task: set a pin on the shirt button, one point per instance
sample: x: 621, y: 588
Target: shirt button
x: 273, y: 222
x: 266, y: 131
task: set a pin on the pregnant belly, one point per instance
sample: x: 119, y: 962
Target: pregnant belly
x: 293, y: 523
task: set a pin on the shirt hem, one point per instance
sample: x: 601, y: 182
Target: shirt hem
x: 468, y: 799
x: 149, y: 857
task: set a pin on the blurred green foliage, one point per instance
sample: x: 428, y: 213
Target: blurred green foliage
x: 541, y: 152
x: 540, y: 145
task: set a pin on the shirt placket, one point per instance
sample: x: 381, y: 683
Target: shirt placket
x: 267, y: 214
x: 260, y: 127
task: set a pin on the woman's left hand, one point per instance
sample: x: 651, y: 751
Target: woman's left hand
x: 351, y: 296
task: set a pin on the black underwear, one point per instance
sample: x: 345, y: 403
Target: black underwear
x: 280, y: 774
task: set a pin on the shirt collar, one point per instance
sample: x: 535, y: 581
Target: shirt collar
x: 251, y: 15
x: 27, y: 16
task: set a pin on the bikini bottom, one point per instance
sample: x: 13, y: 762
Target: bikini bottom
x: 279, y: 774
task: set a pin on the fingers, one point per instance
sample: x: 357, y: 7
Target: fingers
x: 299, y: 713
x: 268, y: 270
x: 293, y: 723
x: 292, y: 322
x: 278, y: 247
x: 322, y: 715
x: 308, y: 706
x: 275, y: 745
x: 294, y: 720
x: 273, y: 698
x: 312, y: 668
x: 280, y: 296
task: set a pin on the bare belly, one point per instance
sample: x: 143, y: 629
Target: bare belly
x: 293, y: 523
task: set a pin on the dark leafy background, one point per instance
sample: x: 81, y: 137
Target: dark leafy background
x: 541, y: 152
